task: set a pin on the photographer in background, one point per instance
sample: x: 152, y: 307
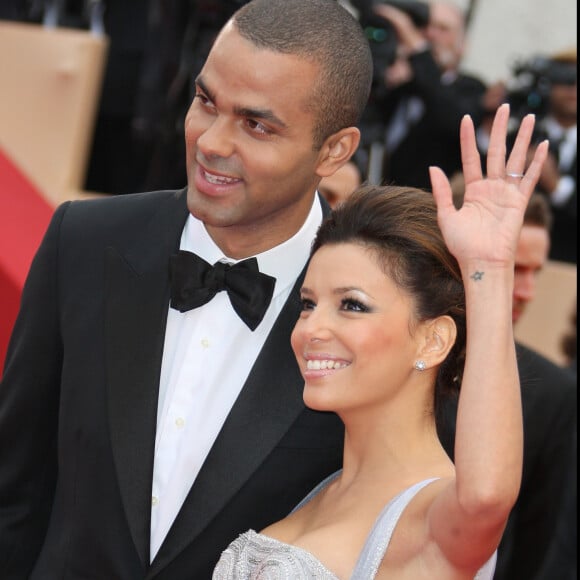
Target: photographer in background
x: 558, y: 179
x: 425, y: 94
x: 547, y: 86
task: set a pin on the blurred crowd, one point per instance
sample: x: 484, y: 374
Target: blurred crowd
x: 419, y: 96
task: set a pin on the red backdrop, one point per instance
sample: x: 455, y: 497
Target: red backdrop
x: 24, y: 217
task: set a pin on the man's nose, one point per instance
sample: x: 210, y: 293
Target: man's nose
x: 525, y: 285
x: 217, y: 139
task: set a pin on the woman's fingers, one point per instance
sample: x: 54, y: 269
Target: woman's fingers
x: 470, y: 158
x: 532, y: 175
x: 496, y: 153
x: 441, y: 190
x: 513, y: 171
x: 516, y: 164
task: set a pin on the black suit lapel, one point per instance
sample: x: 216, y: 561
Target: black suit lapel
x: 269, y: 403
x: 136, y: 298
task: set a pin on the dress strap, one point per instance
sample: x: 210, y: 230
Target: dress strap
x: 317, y: 489
x: 380, y: 535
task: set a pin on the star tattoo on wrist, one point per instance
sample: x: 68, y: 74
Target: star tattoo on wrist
x: 477, y: 276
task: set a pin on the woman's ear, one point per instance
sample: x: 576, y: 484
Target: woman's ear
x: 439, y: 336
x: 337, y: 150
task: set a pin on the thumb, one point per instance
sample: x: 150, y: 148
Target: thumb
x: 441, y: 190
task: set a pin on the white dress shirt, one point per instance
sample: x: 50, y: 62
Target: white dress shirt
x: 567, y: 140
x: 207, y: 356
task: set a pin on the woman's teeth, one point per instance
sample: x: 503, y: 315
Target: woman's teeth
x: 317, y: 365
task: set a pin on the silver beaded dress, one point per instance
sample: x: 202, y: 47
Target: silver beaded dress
x: 254, y: 556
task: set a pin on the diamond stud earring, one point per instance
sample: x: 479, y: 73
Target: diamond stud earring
x: 420, y: 365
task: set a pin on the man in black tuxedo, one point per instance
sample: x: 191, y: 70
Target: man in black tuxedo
x: 144, y: 427
x: 426, y: 94
x: 549, y: 399
x: 562, y: 560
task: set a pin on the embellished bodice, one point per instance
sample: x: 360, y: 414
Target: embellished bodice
x: 254, y: 556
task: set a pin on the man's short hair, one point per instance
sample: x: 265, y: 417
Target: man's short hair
x: 562, y: 68
x: 325, y: 33
x: 538, y: 213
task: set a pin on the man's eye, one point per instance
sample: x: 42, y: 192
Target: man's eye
x: 202, y: 99
x: 257, y: 127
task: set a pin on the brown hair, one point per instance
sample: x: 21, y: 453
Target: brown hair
x: 538, y: 212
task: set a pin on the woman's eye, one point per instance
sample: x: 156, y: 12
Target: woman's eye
x: 353, y: 305
x: 307, y: 304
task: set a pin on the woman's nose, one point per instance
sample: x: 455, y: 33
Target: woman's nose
x: 316, y: 326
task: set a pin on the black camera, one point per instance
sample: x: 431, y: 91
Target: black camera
x: 531, y: 82
x: 380, y: 32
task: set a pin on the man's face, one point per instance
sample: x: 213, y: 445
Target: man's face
x: 251, y: 161
x: 531, y: 255
x: 445, y: 32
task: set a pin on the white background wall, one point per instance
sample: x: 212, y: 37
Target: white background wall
x: 502, y: 31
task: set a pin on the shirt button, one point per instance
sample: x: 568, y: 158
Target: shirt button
x: 154, y: 501
x: 205, y: 342
x: 179, y: 422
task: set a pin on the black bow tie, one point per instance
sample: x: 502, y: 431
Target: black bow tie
x: 195, y: 282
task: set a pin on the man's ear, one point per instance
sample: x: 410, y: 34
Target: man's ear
x: 438, y: 338
x: 337, y: 150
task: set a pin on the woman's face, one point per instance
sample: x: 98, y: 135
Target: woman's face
x: 353, y: 339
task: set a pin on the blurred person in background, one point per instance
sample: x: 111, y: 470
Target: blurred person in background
x: 546, y: 86
x: 549, y: 400
x: 532, y: 253
x: 559, y: 175
x: 337, y: 187
x: 425, y: 93
x: 562, y: 561
x: 569, y: 341
x: 117, y: 163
